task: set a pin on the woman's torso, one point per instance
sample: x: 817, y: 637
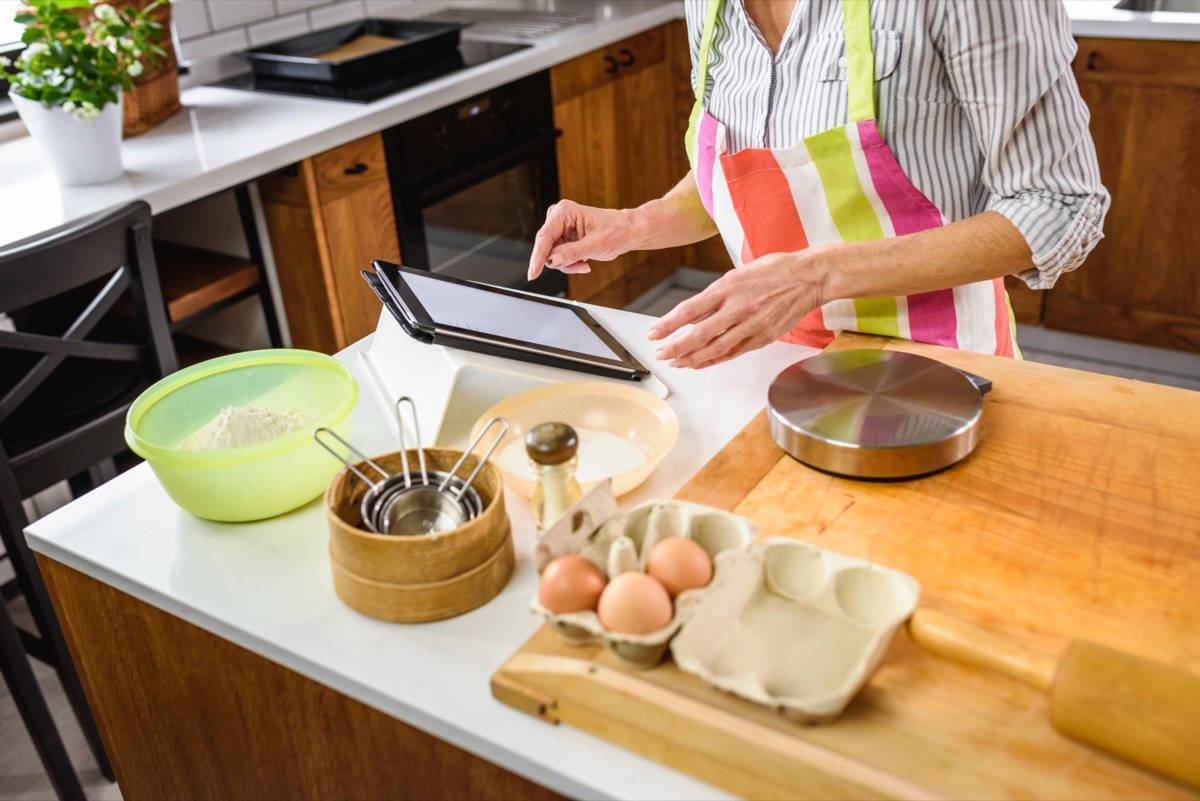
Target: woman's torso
x: 775, y: 101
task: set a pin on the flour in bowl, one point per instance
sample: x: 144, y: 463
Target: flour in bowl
x: 237, y: 426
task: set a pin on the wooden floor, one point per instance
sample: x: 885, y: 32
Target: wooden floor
x: 21, y: 775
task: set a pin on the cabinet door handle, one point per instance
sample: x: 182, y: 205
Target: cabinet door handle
x: 627, y: 58
x: 612, y: 65
x: 358, y: 169
x: 1091, y: 60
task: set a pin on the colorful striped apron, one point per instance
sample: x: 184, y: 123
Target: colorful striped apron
x: 843, y: 185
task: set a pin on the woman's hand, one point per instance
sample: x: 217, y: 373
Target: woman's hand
x: 743, y: 310
x: 572, y: 234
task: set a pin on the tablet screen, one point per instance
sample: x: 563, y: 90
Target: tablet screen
x: 502, y: 322
x: 511, y: 316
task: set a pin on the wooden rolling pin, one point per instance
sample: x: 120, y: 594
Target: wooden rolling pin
x: 1146, y: 712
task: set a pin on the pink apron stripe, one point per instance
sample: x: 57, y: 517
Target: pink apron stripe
x: 706, y: 159
x: 932, y: 318
x: 1004, y: 338
x: 762, y: 199
x: 909, y: 210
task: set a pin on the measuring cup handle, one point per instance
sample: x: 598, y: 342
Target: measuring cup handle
x: 479, y: 466
x: 404, y: 446
x: 349, y: 465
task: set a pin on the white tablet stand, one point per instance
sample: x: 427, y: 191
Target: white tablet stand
x: 452, y: 388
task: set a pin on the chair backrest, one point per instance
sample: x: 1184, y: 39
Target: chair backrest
x: 60, y: 290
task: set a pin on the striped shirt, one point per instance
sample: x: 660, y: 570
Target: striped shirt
x: 975, y: 98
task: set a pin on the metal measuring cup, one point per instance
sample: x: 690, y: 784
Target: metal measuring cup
x: 428, y: 510
x: 416, y: 509
x: 376, y: 489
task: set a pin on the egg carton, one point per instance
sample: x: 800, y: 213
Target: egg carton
x: 794, y: 627
x: 618, y: 542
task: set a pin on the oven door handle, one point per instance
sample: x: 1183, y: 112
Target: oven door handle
x: 452, y: 178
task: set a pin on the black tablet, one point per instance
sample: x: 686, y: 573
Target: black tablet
x: 501, y: 322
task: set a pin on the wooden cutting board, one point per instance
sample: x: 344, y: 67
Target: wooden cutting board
x: 1077, y: 516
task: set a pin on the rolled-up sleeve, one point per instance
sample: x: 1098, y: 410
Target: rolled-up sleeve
x: 1009, y: 64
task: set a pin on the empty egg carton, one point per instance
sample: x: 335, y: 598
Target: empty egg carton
x: 793, y: 626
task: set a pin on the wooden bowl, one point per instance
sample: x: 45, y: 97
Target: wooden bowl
x: 429, y: 577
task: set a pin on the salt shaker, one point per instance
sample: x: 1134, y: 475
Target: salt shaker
x: 552, y: 448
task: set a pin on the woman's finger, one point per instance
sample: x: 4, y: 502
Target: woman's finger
x: 691, y: 340
x: 692, y: 310
x: 722, y: 347
x: 556, y: 229
x: 575, y: 268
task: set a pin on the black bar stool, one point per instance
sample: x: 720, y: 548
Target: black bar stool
x: 68, y: 374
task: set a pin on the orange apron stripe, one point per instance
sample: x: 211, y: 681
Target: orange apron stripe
x: 762, y: 199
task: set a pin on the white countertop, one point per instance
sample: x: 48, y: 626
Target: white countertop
x: 225, y: 137
x: 267, y: 586
x: 1100, y: 18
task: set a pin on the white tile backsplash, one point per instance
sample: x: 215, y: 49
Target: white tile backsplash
x: 217, y: 44
x: 207, y: 29
x: 190, y: 19
x: 288, y: 6
x: 227, y: 14
x: 274, y: 30
x: 337, y: 14
x: 396, y: 8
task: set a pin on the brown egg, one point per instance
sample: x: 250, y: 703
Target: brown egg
x: 570, y: 583
x: 680, y: 564
x: 634, y: 603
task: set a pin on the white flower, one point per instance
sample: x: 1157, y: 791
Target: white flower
x: 32, y: 52
x: 86, y: 111
x: 69, y: 106
x: 5, y: 61
x: 106, y: 13
x: 135, y: 69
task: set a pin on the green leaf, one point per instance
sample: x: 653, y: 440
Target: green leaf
x: 74, y: 3
x: 31, y: 35
x: 25, y: 18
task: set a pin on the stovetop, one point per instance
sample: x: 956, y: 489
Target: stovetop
x: 470, y: 53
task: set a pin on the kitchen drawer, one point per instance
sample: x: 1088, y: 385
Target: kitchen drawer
x: 609, y: 64
x: 350, y: 167
x: 1137, y: 61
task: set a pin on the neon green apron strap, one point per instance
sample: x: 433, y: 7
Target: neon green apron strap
x: 860, y: 59
x: 710, y: 26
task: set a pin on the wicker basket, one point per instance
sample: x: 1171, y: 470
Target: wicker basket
x: 155, y: 95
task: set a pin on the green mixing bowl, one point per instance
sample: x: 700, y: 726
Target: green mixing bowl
x: 250, y: 482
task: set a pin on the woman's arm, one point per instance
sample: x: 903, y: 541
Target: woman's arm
x: 751, y: 307
x: 573, y: 234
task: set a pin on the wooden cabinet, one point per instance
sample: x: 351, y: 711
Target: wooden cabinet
x: 623, y: 113
x: 328, y: 217
x: 1142, y: 282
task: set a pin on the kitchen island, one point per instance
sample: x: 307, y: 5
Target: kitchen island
x: 222, y: 664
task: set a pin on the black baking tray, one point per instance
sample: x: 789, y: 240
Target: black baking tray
x: 294, y: 58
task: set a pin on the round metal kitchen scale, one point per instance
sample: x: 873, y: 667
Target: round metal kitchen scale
x: 875, y: 413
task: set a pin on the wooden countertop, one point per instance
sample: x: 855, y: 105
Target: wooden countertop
x: 1077, y: 516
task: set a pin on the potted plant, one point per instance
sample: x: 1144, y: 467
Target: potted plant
x: 67, y: 83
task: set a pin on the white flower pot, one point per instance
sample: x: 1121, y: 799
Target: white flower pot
x: 80, y: 152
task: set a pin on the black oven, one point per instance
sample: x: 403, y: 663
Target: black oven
x: 471, y: 184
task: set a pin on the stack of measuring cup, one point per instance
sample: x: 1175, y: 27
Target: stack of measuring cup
x: 411, y: 503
